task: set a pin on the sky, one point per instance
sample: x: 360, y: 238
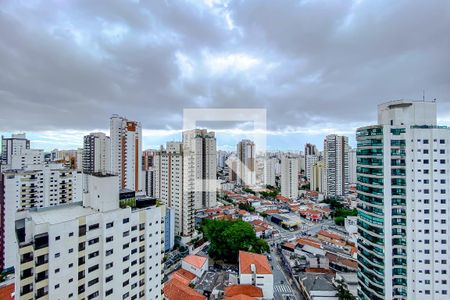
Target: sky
x: 317, y: 67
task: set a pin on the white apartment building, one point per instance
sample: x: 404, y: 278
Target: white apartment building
x: 50, y: 185
x: 289, y: 177
x: 126, y: 152
x: 169, y: 186
x: 403, y: 180
x: 91, y: 251
x: 28, y: 159
x: 96, y: 153
x: 352, y: 166
x: 200, y: 167
x: 310, y: 160
x: 13, y: 145
x: 270, y: 171
x: 336, y: 164
x: 255, y: 269
x: 246, y: 154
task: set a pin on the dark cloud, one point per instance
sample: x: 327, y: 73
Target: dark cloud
x: 71, y: 64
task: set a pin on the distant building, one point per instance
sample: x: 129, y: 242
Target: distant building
x: 270, y: 171
x: 246, y: 154
x: 195, y: 264
x: 318, y: 180
x: 310, y: 160
x: 96, y: 153
x: 352, y: 166
x: 13, y: 145
x: 336, y: 164
x: 126, y: 152
x: 289, y: 177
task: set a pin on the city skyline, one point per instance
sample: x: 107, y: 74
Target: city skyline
x: 149, y: 61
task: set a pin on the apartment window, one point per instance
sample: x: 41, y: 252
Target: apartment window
x: 57, y: 286
x: 425, y: 142
x: 70, y: 250
x: 126, y: 258
x: 93, y: 295
x: 93, y: 241
x: 109, y: 265
x: 70, y: 265
x: 125, y: 283
x: 126, y: 233
x: 57, y: 238
x: 126, y: 220
x: 109, y: 225
x: 126, y: 270
x: 133, y: 228
x: 109, y: 278
x: 125, y: 296
x: 109, y: 252
x: 93, y: 281
x: 109, y: 292
x: 57, y: 255
x: 70, y: 234
x: 125, y: 246
x: 93, y: 254
x: 94, y: 226
x: 81, y: 246
x: 109, y: 239
x: 441, y: 141
x: 93, y: 268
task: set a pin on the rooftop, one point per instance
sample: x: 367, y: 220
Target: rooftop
x: 174, y: 289
x: 247, y: 259
x: 195, y: 260
x: 317, y: 282
x: 60, y: 213
x: 243, y: 289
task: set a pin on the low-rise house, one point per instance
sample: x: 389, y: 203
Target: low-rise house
x: 341, y: 263
x: 317, y: 286
x: 195, y: 264
x: 184, y: 276
x: 255, y: 269
x: 331, y: 237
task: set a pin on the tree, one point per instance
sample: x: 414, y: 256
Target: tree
x: 343, y: 293
x: 228, y: 237
x: 247, y: 207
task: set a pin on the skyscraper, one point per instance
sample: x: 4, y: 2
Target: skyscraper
x: 246, y: 154
x: 126, y: 152
x: 352, y: 166
x: 97, y: 153
x: 200, y: 167
x: 336, y: 164
x: 289, y: 177
x: 403, y: 204
x: 149, y: 172
x: 311, y: 149
x: 270, y: 171
x: 318, y: 180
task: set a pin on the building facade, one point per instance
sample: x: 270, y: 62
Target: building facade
x: 402, y: 185
x: 91, y: 251
x: 289, y: 177
x: 96, y: 153
x: 126, y: 152
x: 13, y: 145
x: 246, y: 154
x: 336, y: 164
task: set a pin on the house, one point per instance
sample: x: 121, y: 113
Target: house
x: 315, y: 286
x: 174, y: 289
x: 184, y: 276
x: 195, y: 264
x: 7, y: 289
x: 243, y: 290
x: 331, y: 237
x: 255, y: 269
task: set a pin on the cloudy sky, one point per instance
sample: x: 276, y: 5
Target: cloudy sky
x: 318, y: 67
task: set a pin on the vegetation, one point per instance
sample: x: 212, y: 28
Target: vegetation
x: 247, y: 207
x: 228, y: 237
x: 249, y: 190
x: 263, y: 214
x: 271, y: 194
x: 307, y: 186
x: 341, y: 213
x: 343, y: 293
x: 334, y: 203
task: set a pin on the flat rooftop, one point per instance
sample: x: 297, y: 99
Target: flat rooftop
x: 60, y: 213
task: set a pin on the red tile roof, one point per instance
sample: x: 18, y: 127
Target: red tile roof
x: 184, y: 276
x: 330, y: 235
x: 243, y: 289
x: 350, y: 263
x: 176, y: 290
x: 272, y: 211
x: 282, y: 198
x: 312, y: 243
x: 195, y: 260
x: 6, y: 291
x: 247, y: 259
x: 240, y: 297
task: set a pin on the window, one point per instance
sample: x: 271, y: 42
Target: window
x: 133, y: 228
x: 109, y: 239
x: 93, y: 254
x: 109, y: 252
x: 56, y: 286
x: 125, y: 283
x: 109, y: 278
x: 57, y: 255
x: 441, y: 141
x: 425, y: 142
x: 126, y: 233
x: 109, y: 225
x: 93, y: 295
x: 93, y: 268
x: 93, y: 281
x: 93, y: 241
x: 94, y: 226
x: 109, y: 265
x: 109, y: 292
x: 70, y: 250
x: 57, y: 238
x: 70, y: 234
x: 126, y: 220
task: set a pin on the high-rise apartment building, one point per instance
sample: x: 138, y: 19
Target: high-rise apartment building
x: 13, y: 145
x: 126, y: 152
x: 200, y: 167
x: 270, y: 171
x: 336, y: 164
x: 48, y: 186
x: 403, y: 184
x: 149, y: 172
x: 310, y: 161
x: 97, y: 153
x: 232, y: 163
x: 352, y: 166
x: 246, y: 154
x: 311, y: 149
x: 318, y: 180
x: 27, y: 159
x: 169, y: 186
x: 91, y: 251
x: 289, y: 177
